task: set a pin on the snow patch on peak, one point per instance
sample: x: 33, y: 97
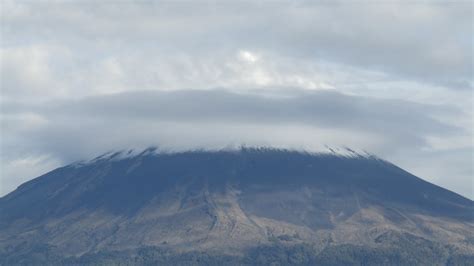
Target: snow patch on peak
x: 116, y: 156
x: 346, y: 152
x: 112, y: 156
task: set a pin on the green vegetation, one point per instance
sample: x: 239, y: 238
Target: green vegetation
x: 276, y: 254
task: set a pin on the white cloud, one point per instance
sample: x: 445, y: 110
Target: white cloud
x: 25, y: 70
x: 19, y: 170
x: 418, y: 53
x: 247, y: 56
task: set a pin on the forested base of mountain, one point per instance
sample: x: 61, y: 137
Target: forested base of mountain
x: 278, y: 254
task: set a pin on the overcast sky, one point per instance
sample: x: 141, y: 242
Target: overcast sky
x: 396, y: 79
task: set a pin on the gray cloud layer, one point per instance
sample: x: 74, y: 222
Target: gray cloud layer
x: 326, y: 109
x: 395, y: 78
x: 77, y: 129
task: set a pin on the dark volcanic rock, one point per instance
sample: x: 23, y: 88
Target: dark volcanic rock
x: 251, y: 206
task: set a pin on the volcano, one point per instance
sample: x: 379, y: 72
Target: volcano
x: 252, y: 206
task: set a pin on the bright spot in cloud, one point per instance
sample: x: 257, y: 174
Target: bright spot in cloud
x: 248, y: 57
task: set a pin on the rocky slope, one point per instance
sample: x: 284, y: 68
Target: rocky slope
x: 251, y: 206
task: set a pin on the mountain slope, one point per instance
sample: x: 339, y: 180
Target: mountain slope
x: 236, y: 206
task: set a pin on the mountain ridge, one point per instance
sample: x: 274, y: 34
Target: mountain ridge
x: 231, y: 203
